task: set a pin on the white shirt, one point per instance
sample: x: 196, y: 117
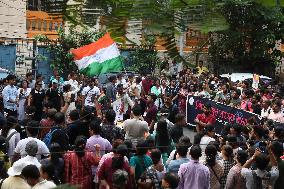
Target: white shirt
x: 45, y: 184
x: 30, y: 160
x: 276, y: 116
x: 89, y: 92
x: 42, y: 148
x: 205, y: 140
x: 265, y: 113
x: 74, y: 85
x: 247, y: 174
x: 13, y: 142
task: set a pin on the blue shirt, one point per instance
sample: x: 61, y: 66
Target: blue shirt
x: 10, y: 93
x: 174, y: 165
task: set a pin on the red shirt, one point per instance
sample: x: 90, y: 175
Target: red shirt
x: 78, y: 170
x: 147, y: 84
x: 206, y: 119
x: 106, y: 172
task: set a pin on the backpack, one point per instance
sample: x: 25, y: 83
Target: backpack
x: 48, y: 137
x: 260, y: 182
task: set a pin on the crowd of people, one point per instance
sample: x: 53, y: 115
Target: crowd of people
x: 129, y: 133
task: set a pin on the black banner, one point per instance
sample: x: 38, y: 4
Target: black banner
x: 224, y: 114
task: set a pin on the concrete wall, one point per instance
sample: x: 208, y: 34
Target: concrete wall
x: 13, y: 19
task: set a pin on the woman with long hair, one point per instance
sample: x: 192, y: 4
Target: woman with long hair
x: 78, y: 164
x: 47, y: 171
x: 163, y: 140
x: 23, y: 94
x: 56, y: 160
x: 215, y: 167
x: 12, y: 136
x: 227, y: 161
x: 158, y: 91
x: 112, y: 165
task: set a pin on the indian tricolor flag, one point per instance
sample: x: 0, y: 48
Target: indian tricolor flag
x: 99, y: 57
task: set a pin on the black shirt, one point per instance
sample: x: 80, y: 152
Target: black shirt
x: 54, y: 97
x: 59, y: 136
x: 176, y: 133
x: 37, y: 98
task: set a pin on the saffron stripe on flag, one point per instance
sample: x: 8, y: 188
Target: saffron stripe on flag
x: 92, y: 48
x: 101, y: 55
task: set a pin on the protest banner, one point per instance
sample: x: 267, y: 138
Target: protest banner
x: 224, y: 114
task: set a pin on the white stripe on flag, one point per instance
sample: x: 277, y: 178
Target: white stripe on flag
x: 100, y: 56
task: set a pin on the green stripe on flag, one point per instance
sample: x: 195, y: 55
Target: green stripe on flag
x: 96, y: 68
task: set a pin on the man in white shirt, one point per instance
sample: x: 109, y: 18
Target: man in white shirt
x: 276, y: 114
x: 32, y: 132
x: 121, y: 80
x: 260, y: 177
x: 33, y: 178
x: 31, y: 149
x: 90, y: 94
x: 10, y: 97
x: 266, y: 109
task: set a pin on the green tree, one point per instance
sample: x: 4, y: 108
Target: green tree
x: 249, y: 42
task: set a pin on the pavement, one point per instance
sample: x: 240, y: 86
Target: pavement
x: 189, y: 132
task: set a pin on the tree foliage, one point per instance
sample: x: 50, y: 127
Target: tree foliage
x: 61, y: 57
x: 251, y: 37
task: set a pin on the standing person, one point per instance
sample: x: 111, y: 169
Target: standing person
x: 261, y: 178
x: 111, y: 165
x: 176, y: 131
x: 193, y: 173
x: 135, y: 128
x: 31, y: 149
x: 215, y: 167
x: 105, y: 146
x: 201, y: 69
x: 147, y: 83
x: 56, y: 160
x: 36, y: 99
x: 23, y: 94
x: 12, y: 136
x: 38, y: 79
x: 15, y: 179
x: 58, y: 133
x: 163, y: 140
x: 227, y: 162
x: 234, y: 178
x: 172, y: 91
x: 246, y: 101
x: 90, y: 94
x: 172, y: 108
x: 276, y: 113
x: 78, y: 164
x: 157, y: 90
x: 205, y: 119
x: 47, y: 123
x: 10, y: 96
x: 110, y: 131
x: 74, y: 126
x: 32, y: 176
x: 181, y: 150
x: 32, y: 132
x: 111, y: 89
x: 53, y: 95
x: 120, y: 80
x: 124, y: 104
x: 140, y: 162
x: 152, y: 177
x: 57, y: 78
x: 29, y: 79
x: 266, y: 109
x: 277, y: 149
x: 152, y: 111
